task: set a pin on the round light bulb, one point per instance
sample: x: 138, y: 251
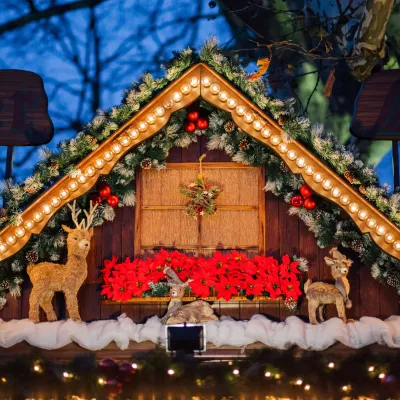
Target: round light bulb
x: 396, y: 245
x: 232, y: 103
x: 283, y: 148
x: 327, y: 184
x: 257, y: 125
x: 382, y: 376
x: 371, y: 222
x: 317, y: 177
x: 363, y: 215
x: 29, y: 224
x: 171, y: 371
x: 235, y: 372
x: 65, y: 374
x: 167, y: 104
x: 380, y: 230
x: 108, y: 155
x: 331, y: 365
x: 116, y: 148
x: 55, y: 201
x: 275, y: 140
x: 301, y: 162
x: 214, y: 88
x: 345, y: 388
x: 336, y: 192
x: 389, y: 238
x: 307, y: 387
x: 134, y: 366
x: 223, y: 96
x: 90, y: 171
x: 177, y: 97
x: 46, y: 209
x: 124, y: 140
x: 159, y: 111
x: 266, y: 133
x: 11, y: 240
x: 3, y: 247
x: 240, y: 110
x: 206, y: 81
x: 248, y: 117
x: 64, y: 193
x: 185, y: 88
x: 371, y: 368
x: 20, y: 231
x: 73, y: 185
x: 151, y: 118
x: 101, y: 381
x: 345, y: 199
x: 82, y: 179
x: 268, y: 374
x: 299, y: 382
x: 309, y: 170
x: 36, y: 368
x: 194, y: 82
x: 353, y: 207
x: 142, y: 126
x: 38, y: 216
x: 291, y: 155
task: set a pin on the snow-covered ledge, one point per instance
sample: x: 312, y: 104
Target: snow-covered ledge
x: 225, y: 332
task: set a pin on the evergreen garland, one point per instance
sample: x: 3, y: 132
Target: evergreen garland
x: 325, y: 222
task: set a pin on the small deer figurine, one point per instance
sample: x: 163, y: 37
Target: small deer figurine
x: 48, y: 278
x: 194, y: 312
x: 319, y: 293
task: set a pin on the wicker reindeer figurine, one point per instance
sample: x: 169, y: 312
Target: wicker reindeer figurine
x: 48, y: 277
x: 194, y: 312
x: 319, y: 293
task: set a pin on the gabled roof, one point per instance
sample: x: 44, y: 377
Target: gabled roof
x: 202, y: 81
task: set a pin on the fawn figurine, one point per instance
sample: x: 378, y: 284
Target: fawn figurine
x: 177, y: 313
x: 319, y: 293
x: 48, y: 278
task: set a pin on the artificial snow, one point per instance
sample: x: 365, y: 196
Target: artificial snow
x: 225, y: 332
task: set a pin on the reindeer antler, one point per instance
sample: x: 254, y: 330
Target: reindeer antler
x: 75, y: 215
x: 89, y: 216
x: 336, y: 254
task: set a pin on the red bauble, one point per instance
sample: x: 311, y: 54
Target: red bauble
x: 310, y: 203
x: 297, y: 200
x: 202, y: 123
x: 113, y: 200
x: 95, y: 198
x: 104, y: 190
x: 190, y: 126
x: 306, y: 191
x: 193, y: 116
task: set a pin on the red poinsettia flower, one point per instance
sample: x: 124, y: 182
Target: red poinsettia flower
x: 252, y: 286
x: 120, y: 288
x: 138, y: 284
x: 226, y: 287
x: 202, y: 282
x: 273, y: 286
x: 152, y: 270
x: 291, y: 288
x: 288, y: 269
x: 218, y: 264
x: 109, y: 265
x: 107, y: 288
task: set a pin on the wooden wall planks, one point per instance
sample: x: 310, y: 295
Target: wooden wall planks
x: 284, y: 234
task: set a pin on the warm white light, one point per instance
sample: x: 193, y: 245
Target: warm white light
x: 134, y: 366
x: 171, y: 371
x: 232, y: 103
x: 389, y: 238
x: 283, y: 148
x: 266, y: 132
x: 327, y: 184
x: 248, y: 117
x: 223, y: 96
x: 307, y: 387
x: 309, y: 170
x: 240, y: 110
x: 299, y: 382
x: 235, y: 372
x: 64, y: 192
x: 20, y: 232
x: 11, y: 239
x: 317, y: 177
x: 371, y: 222
x: 194, y: 82
x: 82, y: 179
x: 185, y: 88
x: 108, y: 155
x: 301, y: 162
x: 381, y: 376
x: 292, y: 155
x: 142, y: 126
x: 336, y: 192
x: 36, y: 368
x: 99, y: 163
x: 331, y: 365
x: 124, y: 140
x: 73, y: 185
x: 150, y: 119
x: 380, y: 230
x: 55, y: 201
x: 29, y: 224
x: 214, y: 88
x: 38, y: 216
x: 177, y: 97
x: 90, y: 171
x: 275, y: 140
x: 116, y: 148
x: 167, y: 104
x: 65, y: 374
x: 3, y: 247
x: 257, y: 125
x: 396, y: 245
x: 159, y: 111
x: 371, y: 368
x: 345, y: 199
x: 277, y: 376
x: 101, y: 381
x: 268, y: 374
x: 363, y: 215
x: 46, y: 209
x: 345, y: 388
x: 206, y: 81
x: 353, y: 207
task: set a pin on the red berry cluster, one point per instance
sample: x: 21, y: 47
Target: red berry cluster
x: 304, y: 199
x: 104, y: 194
x: 195, y: 121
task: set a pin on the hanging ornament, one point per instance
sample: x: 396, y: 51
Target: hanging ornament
x: 104, y: 190
x: 297, y: 200
x: 393, y: 280
x: 310, y: 203
x: 362, y: 189
x: 193, y: 116
x: 189, y: 126
x: 113, y: 200
x: 283, y: 167
x: 3, y: 215
x: 357, y: 245
x: 306, y: 191
x: 351, y: 177
x: 202, y: 123
x: 244, y: 144
x: 95, y: 198
x: 31, y: 188
x: 229, y: 126
x: 146, y: 163
x: 4, y: 285
x: 32, y: 256
x: 91, y: 139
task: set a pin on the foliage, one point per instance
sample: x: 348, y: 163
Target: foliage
x: 229, y: 274
x: 325, y: 221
